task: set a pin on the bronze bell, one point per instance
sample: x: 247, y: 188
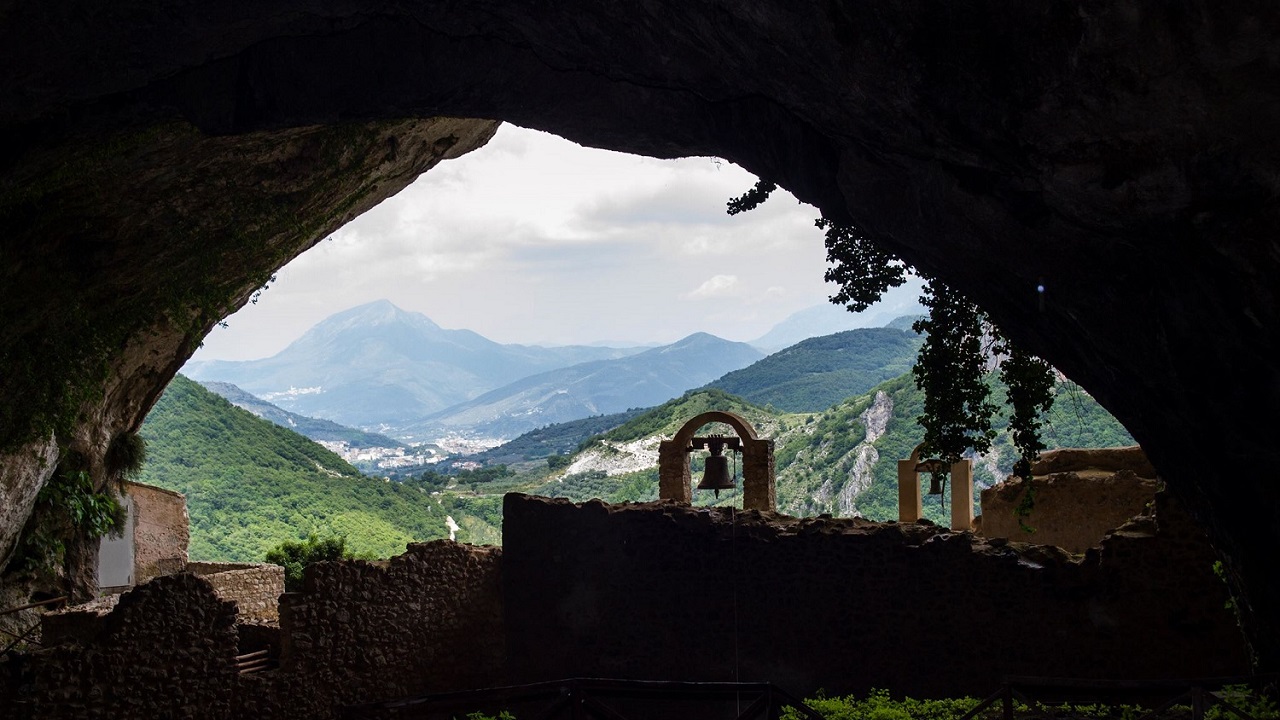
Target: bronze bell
x: 936, y: 470
x: 717, y: 475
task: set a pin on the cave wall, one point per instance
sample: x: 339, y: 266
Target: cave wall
x: 125, y: 246
x: 1124, y: 154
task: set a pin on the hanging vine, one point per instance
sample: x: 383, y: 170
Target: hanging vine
x: 752, y: 199
x: 1030, y: 382
x: 951, y: 372
x: 951, y: 368
x: 860, y: 267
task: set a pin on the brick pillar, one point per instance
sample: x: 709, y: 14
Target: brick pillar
x: 910, y: 507
x: 759, y: 487
x: 962, y: 495
x: 673, y: 472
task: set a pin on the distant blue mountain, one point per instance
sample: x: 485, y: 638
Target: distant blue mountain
x: 593, y: 388
x: 313, y: 428
x: 378, y: 366
x: 828, y: 319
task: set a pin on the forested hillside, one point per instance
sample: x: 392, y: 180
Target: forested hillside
x: 841, y: 461
x: 819, y: 372
x: 251, y: 485
x: 833, y: 463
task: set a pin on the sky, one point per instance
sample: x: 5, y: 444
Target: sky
x: 533, y: 239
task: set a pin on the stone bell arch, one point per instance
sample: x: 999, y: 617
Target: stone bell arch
x: 758, y: 481
x: 910, y: 504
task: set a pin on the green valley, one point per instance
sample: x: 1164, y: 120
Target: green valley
x: 251, y: 485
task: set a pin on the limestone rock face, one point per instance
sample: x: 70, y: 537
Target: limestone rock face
x: 1125, y: 156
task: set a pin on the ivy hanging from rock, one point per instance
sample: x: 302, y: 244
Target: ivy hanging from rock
x: 860, y: 267
x: 951, y: 372
x: 68, y: 509
x: 952, y: 366
x: 1030, y: 382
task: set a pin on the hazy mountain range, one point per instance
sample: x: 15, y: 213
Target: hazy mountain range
x: 381, y: 368
x: 592, y: 388
x: 827, y: 319
x: 377, y: 365
x: 313, y: 428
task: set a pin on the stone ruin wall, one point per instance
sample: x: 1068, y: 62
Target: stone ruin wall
x: 254, y: 587
x: 161, y: 531
x: 166, y: 651
x: 428, y: 620
x: 1079, y: 496
x: 665, y: 591
x: 672, y: 592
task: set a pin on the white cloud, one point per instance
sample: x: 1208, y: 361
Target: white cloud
x: 534, y: 239
x: 716, y: 286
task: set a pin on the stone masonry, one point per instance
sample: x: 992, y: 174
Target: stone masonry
x: 254, y: 587
x: 658, y: 591
x: 1080, y: 495
x: 160, y: 532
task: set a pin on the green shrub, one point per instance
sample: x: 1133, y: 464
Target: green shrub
x: 294, y: 557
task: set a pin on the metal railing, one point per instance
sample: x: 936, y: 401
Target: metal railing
x: 25, y: 636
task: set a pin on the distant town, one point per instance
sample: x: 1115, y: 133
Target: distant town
x: 429, y: 453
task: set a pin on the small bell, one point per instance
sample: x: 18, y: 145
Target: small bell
x: 935, y: 484
x: 936, y: 470
x: 717, y: 475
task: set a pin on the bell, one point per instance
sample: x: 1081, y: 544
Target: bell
x: 717, y: 475
x: 936, y: 470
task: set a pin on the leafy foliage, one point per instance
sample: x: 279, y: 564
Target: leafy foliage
x: 67, y: 509
x: 860, y: 267
x: 753, y: 198
x: 879, y: 705
x: 951, y: 363
x: 294, y: 557
x: 951, y: 372
x: 126, y: 455
x: 1030, y: 383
